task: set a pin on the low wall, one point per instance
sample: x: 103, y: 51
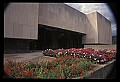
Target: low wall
x: 98, y: 47
x: 103, y: 71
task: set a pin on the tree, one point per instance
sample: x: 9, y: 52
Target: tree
x: 114, y: 40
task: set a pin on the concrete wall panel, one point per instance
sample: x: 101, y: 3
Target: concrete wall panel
x: 7, y: 14
x: 98, y: 30
x: 22, y: 16
x: 100, y: 47
x: 33, y: 32
x: 92, y: 32
x: 61, y: 16
x: 14, y: 14
x: 30, y: 19
x: 8, y: 29
x: 18, y: 30
x: 104, y: 30
x: 26, y: 32
x: 36, y: 20
x: 25, y: 17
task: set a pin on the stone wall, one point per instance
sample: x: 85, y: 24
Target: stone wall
x: 97, y: 47
x: 91, y: 36
x: 21, y: 20
x: 62, y: 16
x: 103, y: 71
x: 104, y: 30
x: 98, y: 29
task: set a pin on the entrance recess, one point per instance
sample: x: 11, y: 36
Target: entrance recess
x: 54, y: 38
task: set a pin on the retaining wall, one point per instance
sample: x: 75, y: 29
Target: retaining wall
x: 103, y: 71
x: 97, y: 47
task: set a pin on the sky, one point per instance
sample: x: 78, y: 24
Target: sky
x: 102, y: 8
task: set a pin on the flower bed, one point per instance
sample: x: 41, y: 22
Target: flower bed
x: 63, y: 67
x: 69, y: 64
x: 98, y: 56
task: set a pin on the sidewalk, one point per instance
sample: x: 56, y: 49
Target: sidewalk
x: 26, y: 56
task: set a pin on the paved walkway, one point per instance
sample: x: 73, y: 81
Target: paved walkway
x: 27, y: 56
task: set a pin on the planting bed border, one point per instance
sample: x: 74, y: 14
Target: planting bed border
x: 101, y: 71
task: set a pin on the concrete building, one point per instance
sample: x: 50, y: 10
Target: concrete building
x: 52, y: 25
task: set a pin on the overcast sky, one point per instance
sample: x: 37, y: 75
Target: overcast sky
x: 102, y: 8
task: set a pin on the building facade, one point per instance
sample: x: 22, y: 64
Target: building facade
x: 52, y: 25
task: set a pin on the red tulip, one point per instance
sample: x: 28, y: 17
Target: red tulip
x: 20, y: 70
x: 91, y: 73
x: 59, y: 77
x: 93, y: 66
x: 56, y: 58
x: 53, y: 68
x: 8, y: 72
x: 15, y: 68
x: 35, y: 77
x: 29, y: 73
